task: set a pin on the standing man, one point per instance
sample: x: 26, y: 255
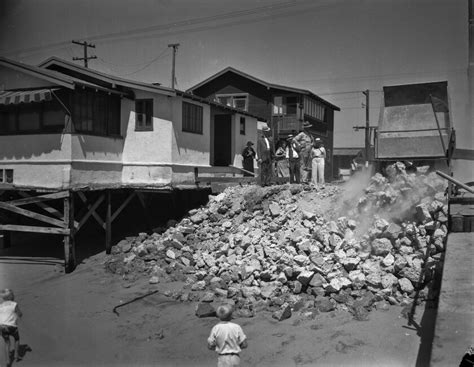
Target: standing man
x: 292, y: 154
x: 248, y: 155
x: 305, y: 141
x: 318, y: 155
x: 265, y: 157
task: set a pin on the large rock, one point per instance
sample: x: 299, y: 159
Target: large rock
x: 324, y: 304
x: 393, y: 231
x: 381, y: 246
x: 350, y: 263
x: 301, y: 259
x: 357, y: 278
x: 124, y: 246
x: 336, y: 284
x: 317, y: 280
x: 199, y: 285
x: 405, y: 285
x: 274, y: 209
x: 269, y: 289
x: 283, y: 313
x: 205, y: 309
x: 198, y: 218
x: 388, y: 260
x: 423, y: 213
x: 389, y: 280
x: 249, y: 292
x: 412, y: 273
x: 305, y: 277
x: 374, y: 279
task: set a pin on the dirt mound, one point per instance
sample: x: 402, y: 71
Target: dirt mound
x: 373, y: 242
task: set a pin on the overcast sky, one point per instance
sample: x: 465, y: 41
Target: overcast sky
x: 332, y: 47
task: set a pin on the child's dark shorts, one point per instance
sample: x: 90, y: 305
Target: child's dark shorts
x: 8, y: 331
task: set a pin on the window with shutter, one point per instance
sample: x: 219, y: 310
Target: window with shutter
x: 144, y: 115
x: 192, y: 118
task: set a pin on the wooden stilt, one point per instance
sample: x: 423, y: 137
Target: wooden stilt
x: 108, y: 224
x: 69, y: 243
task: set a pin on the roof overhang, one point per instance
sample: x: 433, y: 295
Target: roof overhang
x: 47, y: 75
x: 113, y: 81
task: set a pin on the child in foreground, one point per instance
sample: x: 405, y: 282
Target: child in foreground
x: 9, y: 315
x: 227, y: 338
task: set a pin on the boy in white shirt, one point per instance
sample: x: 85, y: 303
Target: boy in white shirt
x: 227, y: 339
x: 9, y: 315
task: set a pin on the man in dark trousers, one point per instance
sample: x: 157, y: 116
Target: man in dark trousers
x: 305, y: 141
x: 248, y: 155
x: 265, y: 157
x: 292, y: 154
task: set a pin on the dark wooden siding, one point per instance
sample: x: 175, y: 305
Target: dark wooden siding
x: 260, y: 97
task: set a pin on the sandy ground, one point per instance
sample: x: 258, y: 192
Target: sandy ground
x: 68, y: 321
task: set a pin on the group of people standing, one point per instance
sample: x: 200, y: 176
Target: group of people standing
x: 301, y: 158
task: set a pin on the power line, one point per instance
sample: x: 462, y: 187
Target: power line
x: 208, y: 19
x: 335, y: 93
x: 379, y: 76
x: 133, y: 65
x: 160, y: 56
x: 97, y: 38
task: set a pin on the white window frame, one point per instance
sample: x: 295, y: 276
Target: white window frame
x: 144, y: 121
x: 232, y: 97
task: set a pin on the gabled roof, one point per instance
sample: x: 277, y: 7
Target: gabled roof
x: 217, y: 104
x: 51, y: 76
x: 113, y: 81
x: 47, y: 75
x: 230, y: 69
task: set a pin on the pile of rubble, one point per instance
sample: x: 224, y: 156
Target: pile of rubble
x: 263, y: 249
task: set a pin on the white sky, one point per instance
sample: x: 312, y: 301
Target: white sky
x: 328, y: 46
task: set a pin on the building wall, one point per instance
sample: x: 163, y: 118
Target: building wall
x: 37, y: 160
x: 189, y: 150
x: 147, y: 154
x: 97, y: 160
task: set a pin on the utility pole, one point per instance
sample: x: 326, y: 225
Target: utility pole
x: 173, y: 75
x: 367, y: 127
x: 85, y: 58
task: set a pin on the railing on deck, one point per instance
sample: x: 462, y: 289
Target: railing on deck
x: 287, y: 124
x: 227, y: 174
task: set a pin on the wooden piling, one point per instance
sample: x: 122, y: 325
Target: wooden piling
x: 69, y: 241
x: 108, y: 223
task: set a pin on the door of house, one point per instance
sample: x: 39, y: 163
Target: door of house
x: 222, y: 140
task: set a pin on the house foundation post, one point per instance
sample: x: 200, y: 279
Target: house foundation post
x: 69, y: 241
x: 108, y: 223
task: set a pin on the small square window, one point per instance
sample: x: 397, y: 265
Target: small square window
x: 242, y: 126
x: 144, y: 115
x: 9, y: 176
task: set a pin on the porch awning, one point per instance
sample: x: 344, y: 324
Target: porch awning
x: 14, y: 97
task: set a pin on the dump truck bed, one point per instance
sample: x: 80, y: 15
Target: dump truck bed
x: 409, y: 119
